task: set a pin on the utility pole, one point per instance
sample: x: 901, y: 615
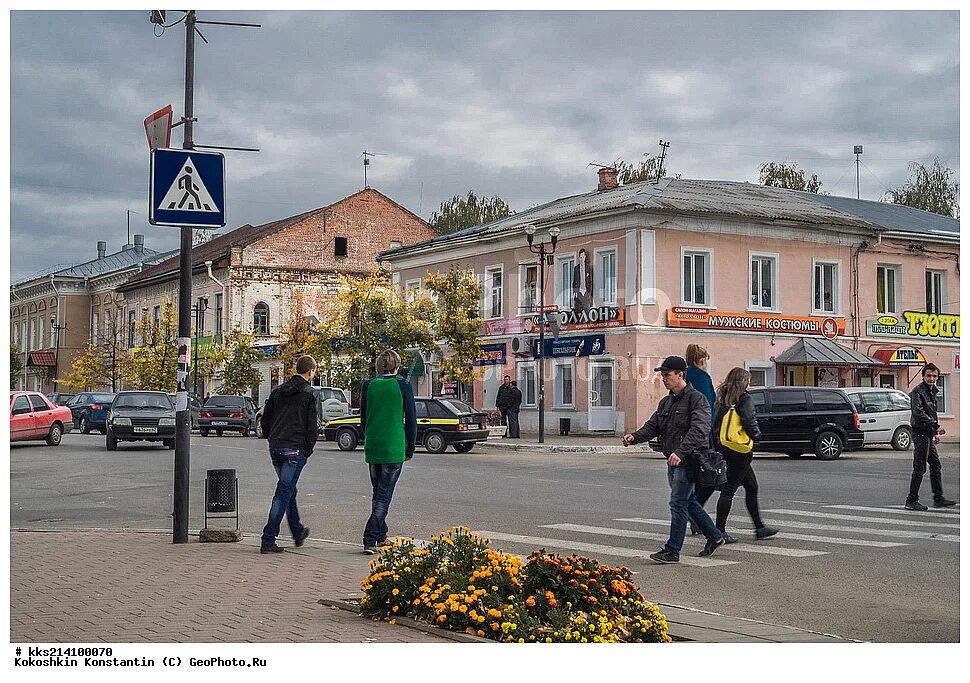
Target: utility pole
x: 663, y: 155
x: 857, y: 150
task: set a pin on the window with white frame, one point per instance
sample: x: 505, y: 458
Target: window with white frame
x: 411, y: 288
x: 604, y: 278
x: 528, y: 288
x: 493, y: 292
x: 526, y: 379
x: 563, y: 380
x: 261, y: 318
x: 218, y: 315
x: 564, y: 281
x: 157, y: 314
x: 764, y: 281
x: 94, y: 327
x: 887, y: 289
x: 131, y: 327
x: 697, y: 276
x: 943, y: 397
x: 762, y: 374
x: 935, y: 291
x: 825, y: 287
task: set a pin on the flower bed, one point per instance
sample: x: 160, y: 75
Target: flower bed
x: 458, y: 582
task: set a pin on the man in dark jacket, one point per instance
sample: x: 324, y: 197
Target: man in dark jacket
x: 502, y: 401
x: 683, y: 423
x: 926, y: 434
x: 512, y: 413
x: 290, y: 423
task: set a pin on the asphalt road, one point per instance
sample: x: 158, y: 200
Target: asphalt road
x: 850, y: 561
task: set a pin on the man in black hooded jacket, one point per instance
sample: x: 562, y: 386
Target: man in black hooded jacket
x: 926, y: 433
x: 290, y: 423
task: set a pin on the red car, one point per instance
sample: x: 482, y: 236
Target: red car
x: 34, y: 417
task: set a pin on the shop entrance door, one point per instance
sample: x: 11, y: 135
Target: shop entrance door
x: 602, y: 403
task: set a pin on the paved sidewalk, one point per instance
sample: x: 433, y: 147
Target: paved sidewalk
x: 125, y: 587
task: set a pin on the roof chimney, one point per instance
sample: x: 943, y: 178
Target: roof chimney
x: 102, y: 249
x: 140, y: 244
x: 607, y: 178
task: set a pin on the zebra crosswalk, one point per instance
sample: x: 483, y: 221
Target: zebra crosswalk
x: 843, y: 525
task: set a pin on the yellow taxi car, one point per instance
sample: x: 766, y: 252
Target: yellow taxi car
x: 442, y: 422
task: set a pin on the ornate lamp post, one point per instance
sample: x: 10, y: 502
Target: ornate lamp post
x: 544, y: 250
x: 199, y: 309
x: 56, y: 329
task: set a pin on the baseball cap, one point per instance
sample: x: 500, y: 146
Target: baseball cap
x: 672, y: 363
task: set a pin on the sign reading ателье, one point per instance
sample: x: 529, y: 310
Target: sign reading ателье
x: 916, y: 324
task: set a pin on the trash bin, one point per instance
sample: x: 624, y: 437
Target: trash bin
x: 564, y: 424
x: 221, y: 494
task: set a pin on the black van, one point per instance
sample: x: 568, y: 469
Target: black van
x: 796, y: 420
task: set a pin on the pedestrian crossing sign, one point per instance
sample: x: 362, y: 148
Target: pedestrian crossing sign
x: 188, y: 188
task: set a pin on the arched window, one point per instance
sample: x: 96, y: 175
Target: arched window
x: 261, y: 318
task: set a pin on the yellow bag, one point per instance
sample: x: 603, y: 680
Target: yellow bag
x: 733, y: 435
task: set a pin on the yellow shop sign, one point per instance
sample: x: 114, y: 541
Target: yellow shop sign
x: 932, y: 325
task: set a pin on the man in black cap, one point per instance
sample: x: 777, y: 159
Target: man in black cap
x: 683, y: 423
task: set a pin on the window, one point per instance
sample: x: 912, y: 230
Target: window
x: 826, y: 400
x: 564, y: 281
x: 131, y: 328
x: 943, y: 398
x: 764, y: 285
x: 94, y: 327
x: 875, y: 402
x: 604, y: 274
x: 200, y: 307
x: 887, y: 289
x: 788, y: 401
x: 39, y: 404
x: 899, y: 401
x: 528, y: 288
x: 758, y: 377
x: 410, y: 288
x: 697, y: 277
x: 340, y: 246
x: 493, y: 292
x: 261, y: 318
x: 527, y: 383
x: 157, y: 315
x: 21, y: 405
x: 421, y: 409
x: 564, y: 395
x: 436, y: 410
x: 218, y: 315
x: 826, y: 287
x: 758, y: 399
x: 935, y: 291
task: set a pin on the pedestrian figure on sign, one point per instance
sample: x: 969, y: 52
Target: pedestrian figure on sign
x: 515, y: 400
x: 926, y: 434
x: 502, y: 401
x: 191, y: 190
x: 683, y: 423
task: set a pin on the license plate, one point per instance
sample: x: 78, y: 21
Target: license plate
x: 220, y: 424
x: 145, y: 430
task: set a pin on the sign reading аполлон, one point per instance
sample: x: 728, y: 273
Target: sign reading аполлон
x: 916, y: 324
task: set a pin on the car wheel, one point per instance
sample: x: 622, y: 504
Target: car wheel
x: 828, y: 446
x: 793, y: 454
x: 434, y: 442
x: 245, y: 430
x: 110, y: 442
x: 54, y: 435
x: 347, y: 439
x: 84, y: 426
x: 203, y: 432
x: 902, y: 439
x: 463, y: 447
x: 170, y: 443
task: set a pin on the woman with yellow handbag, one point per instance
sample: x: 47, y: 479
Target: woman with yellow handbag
x: 736, y: 431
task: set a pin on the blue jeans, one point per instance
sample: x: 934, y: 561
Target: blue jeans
x: 288, y: 462
x: 684, y: 504
x: 383, y: 478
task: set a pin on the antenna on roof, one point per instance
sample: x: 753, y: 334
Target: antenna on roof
x: 663, y: 155
x: 857, y: 150
x: 593, y: 163
x: 367, y: 154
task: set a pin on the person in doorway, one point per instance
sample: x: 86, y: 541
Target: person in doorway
x: 926, y: 434
x: 733, y: 393
x: 290, y: 423
x: 582, y: 283
x: 683, y: 423
x: 502, y: 401
x: 388, y: 421
x: 515, y: 400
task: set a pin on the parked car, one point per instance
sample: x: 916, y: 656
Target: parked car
x: 332, y: 403
x: 59, y: 399
x: 33, y: 417
x: 796, y: 420
x: 141, y: 416
x: 884, y: 414
x: 90, y: 410
x: 195, y: 405
x: 442, y: 422
x: 227, y: 413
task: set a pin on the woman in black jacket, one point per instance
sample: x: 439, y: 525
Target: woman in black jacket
x: 734, y: 392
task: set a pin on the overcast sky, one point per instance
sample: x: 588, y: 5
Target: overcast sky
x: 513, y: 104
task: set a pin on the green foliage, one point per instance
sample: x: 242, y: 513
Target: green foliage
x: 153, y: 365
x: 296, y: 336
x: 930, y: 189
x: 458, y: 322
x: 460, y: 212
x: 16, y: 364
x: 238, y: 356
x: 648, y: 169
x: 789, y: 176
x: 101, y: 364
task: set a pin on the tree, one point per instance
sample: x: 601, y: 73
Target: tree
x: 153, y: 365
x: 16, y: 364
x: 296, y: 335
x: 648, y: 169
x: 458, y: 323
x: 100, y: 365
x: 237, y: 355
x: 463, y: 212
x: 789, y: 176
x: 930, y: 189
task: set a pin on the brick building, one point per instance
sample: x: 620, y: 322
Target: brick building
x: 250, y: 276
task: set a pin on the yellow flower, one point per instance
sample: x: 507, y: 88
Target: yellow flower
x: 395, y: 591
x: 394, y: 609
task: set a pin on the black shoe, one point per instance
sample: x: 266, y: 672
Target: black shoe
x: 765, y: 532
x: 943, y: 503
x: 298, y: 541
x: 711, y: 546
x: 915, y: 506
x: 728, y: 538
x: 270, y: 549
x: 664, y: 556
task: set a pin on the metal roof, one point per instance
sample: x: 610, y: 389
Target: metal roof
x: 808, y: 351
x: 892, y: 216
x: 120, y: 260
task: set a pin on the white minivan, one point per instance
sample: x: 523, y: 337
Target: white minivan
x: 884, y: 415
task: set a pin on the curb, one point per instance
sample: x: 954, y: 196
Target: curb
x: 410, y: 623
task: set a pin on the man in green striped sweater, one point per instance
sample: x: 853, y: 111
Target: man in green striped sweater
x: 390, y: 427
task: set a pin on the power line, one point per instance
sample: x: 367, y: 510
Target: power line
x: 839, y: 144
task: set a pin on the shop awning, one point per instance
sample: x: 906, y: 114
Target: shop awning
x: 41, y: 359
x: 416, y: 368
x: 824, y: 353
x: 901, y: 356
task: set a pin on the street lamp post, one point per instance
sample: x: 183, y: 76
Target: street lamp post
x: 200, y: 308
x: 56, y: 329
x: 543, y: 250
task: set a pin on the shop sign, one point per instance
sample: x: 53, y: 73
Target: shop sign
x: 904, y: 356
x: 589, y: 345
x: 956, y: 362
x: 495, y: 355
x: 916, y: 324
x: 449, y: 390
x: 583, y: 319
x: 494, y: 328
x: 703, y: 318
